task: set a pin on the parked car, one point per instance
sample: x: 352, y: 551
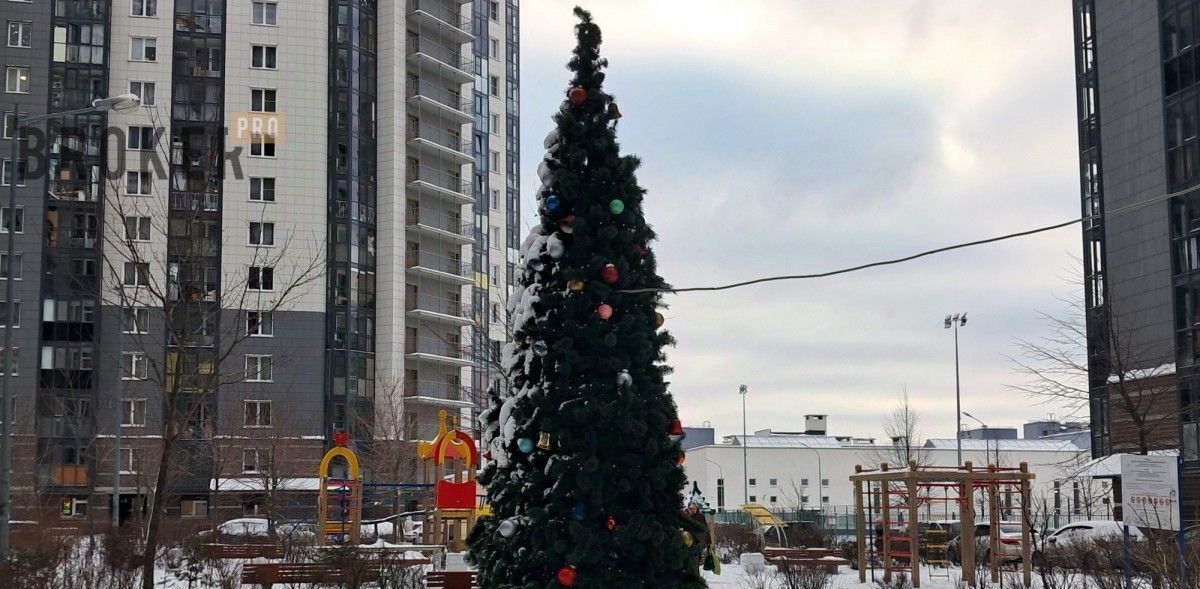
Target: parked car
x: 1104, y: 536
x: 257, y: 529
x: 1010, y: 545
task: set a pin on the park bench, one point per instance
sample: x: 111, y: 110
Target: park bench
x: 820, y: 558
x: 452, y: 580
x: 242, y: 551
x: 267, y: 574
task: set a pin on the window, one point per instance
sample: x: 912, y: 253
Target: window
x: 145, y: 8
x: 262, y: 100
x: 260, y: 323
x: 495, y: 86
x: 262, y: 233
x: 261, y: 278
x: 6, y: 222
x: 495, y: 46
x: 16, y: 318
x: 143, y: 49
x: 753, y: 498
x: 774, y: 499
x: 254, y: 460
x: 263, y: 57
x: 824, y: 482
x: 137, y: 228
x: 257, y: 414
x: 1189, y: 416
x: 825, y: 499
x: 258, y: 368
x: 19, y: 33
x: 129, y: 461
x: 143, y: 90
x: 140, y: 138
x: 774, y: 482
x: 263, y: 13
x: 16, y: 80
x: 14, y: 361
x: 262, y: 145
x: 803, y: 482
x: 138, y: 183
x: 18, y: 270
x: 262, y: 189
x: 134, y: 366
x: 193, y: 508
x: 6, y: 173
x: 137, y: 274
x: 73, y: 507
x: 494, y: 10
x: 753, y: 482
x: 10, y: 126
x: 495, y: 123
x: 495, y: 198
x: 804, y: 499
x: 135, y: 320
x: 495, y: 164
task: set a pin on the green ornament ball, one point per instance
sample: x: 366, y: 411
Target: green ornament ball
x: 617, y: 206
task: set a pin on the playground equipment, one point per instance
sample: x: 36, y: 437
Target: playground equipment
x: 899, y: 493
x: 339, y: 501
x: 450, y: 461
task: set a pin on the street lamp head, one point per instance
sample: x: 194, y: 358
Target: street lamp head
x: 743, y: 390
x: 962, y: 320
x: 117, y: 103
x: 947, y: 322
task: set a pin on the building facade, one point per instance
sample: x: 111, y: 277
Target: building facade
x: 308, y: 226
x: 789, y: 472
x: 1139, y: 168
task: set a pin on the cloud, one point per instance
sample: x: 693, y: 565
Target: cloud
x: 786, y: 137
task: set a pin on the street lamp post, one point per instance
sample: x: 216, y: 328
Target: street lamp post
x: 957, y: 320
x: 743, y: 390
x: 987, y: 443
x: 116, y: 103
x: 720, y: 488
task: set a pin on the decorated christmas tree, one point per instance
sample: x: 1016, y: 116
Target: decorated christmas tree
x: 582, y: 457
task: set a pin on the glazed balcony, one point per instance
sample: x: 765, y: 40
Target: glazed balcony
x: 437, y: 183
x: 429, y: 223
x: 440, y: 60
x: 439, y: 142
x: 436, y: 266
x: 437, y: 393
x: 430, y: 308
x: 435, y: 350
x: 429, y: 98
x: 447, y: 19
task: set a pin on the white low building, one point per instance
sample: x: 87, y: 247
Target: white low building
x: 793, y: 471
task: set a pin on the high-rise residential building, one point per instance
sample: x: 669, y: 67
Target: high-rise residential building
x: 308, y: 226
x: 1138, y: 80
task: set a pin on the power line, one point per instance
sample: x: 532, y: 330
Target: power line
x: 1115, y: 212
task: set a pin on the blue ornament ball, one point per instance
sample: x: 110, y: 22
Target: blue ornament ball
x: 551, y: 202
x: 525, y: 444
x: 578, y: 512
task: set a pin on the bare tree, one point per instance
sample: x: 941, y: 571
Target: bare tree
x: 903, y: 429
x: 1136, y: 387
x: 162, y: 256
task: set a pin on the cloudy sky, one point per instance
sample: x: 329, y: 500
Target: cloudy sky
x: 791, y: 136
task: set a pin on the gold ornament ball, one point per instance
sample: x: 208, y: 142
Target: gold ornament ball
x: 687, y: 538
x: 659, y: 319
x: 575, y: 285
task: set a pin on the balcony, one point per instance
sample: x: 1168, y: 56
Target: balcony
x: 437, y: 266
x: 439, y: 225
x: 206, y: 202
x: 450, y: 22
x: 435, y: 183
x: 435, y: 350
x: 427, y: 98
x: 426, y: 307
x: 439, y: 142
x: 424, y: 54
x: 437, y: 393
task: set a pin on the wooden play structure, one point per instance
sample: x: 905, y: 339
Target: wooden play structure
x: 450, y: 461
x: 339, y: 501
x: 898, y: 493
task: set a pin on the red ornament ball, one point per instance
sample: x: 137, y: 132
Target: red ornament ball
x: 577, y: 95
x: 675, y: 428
x: 609, y: 274
x: 680, y: 458
x: 566, y: 576
x: 604, y: 311
x: 611, y: 524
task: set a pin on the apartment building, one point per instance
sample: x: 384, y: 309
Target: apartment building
x: 1137, y: 90
x: 308, y: 226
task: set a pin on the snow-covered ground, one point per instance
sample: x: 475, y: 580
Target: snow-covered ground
x: 734, y: 577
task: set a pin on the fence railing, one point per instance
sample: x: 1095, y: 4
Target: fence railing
x: 443, y: 12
